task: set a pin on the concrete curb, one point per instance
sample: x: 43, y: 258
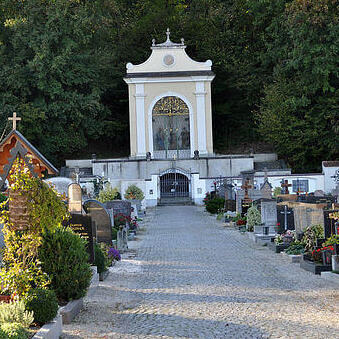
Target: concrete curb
x: 71, y: 310
x: 330, y: 276
x: 51, y: 330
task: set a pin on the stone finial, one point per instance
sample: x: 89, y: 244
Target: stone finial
x: 182, y: 41
x: 168, y: 33
x: 153, y: 42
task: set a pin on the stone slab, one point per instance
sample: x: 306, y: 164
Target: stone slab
x: 277, y: 248
x: 94, y: 281
x: 71, y: 310
x: 51, y: 330
x: 103, y: 275
x: 314, y: 268
x: 330, y: 276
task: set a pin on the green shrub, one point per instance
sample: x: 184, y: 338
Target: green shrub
x: 43, y: 304
x: 253, y: 218
x: 215, y: 205
x: 64, y: 258
x: 13, y: 331
x: 333, y: 240
x: 15, y: 312
x: 100, y: 259
x: 134, y: 192
x: 311, y: 234
x: 296, y: 247
x: 109, y: 193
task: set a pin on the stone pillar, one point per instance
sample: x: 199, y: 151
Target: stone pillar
x: 140, y: 113
x: 201, y: 116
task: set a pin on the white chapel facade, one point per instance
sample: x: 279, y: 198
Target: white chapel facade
x: 170, y: 104
x: 171, y: 140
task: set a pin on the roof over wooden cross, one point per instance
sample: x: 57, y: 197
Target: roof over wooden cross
x: 15, y: 145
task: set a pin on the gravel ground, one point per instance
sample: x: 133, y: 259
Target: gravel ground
x: 189, y: 277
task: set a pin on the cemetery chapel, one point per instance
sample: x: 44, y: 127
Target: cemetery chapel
x: 171, y: 139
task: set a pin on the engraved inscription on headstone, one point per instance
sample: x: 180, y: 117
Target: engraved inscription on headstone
x: 74, y: 198
x: 82, y: 225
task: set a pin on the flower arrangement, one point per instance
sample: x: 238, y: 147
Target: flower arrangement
x: 241, y: 222
x: 286, y: 238
x: 134, y: 192
x: 114, y: 254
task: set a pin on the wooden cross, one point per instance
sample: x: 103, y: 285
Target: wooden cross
x: 245, y: 187
x: 14, y: 119
x: 285, y: 185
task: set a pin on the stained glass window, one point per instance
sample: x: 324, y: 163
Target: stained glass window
x: 171, y: 128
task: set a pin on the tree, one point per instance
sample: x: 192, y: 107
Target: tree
x: 299, y: 111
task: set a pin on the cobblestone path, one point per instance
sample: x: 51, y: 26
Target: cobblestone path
x: 192, y: 278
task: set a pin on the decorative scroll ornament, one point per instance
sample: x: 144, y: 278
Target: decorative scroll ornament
x: 170, y: 106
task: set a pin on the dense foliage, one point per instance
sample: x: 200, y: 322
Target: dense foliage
x: 134, y: 192
x: 64, y: 258
x: 109, y: 193
x: 215, y: 205
x: 253, y: 218
x: 63, y: 63
x: 15, y: 312
x: 43, y: 303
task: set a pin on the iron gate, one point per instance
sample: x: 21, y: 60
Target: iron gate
x: 173, y: 185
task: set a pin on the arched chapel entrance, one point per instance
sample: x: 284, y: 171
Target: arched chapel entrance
x: 174, y: 184
x: 171, y: 128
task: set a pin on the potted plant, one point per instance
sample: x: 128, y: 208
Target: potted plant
x: 135, y: 195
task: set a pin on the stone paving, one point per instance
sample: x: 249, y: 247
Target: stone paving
x: 192, y: 278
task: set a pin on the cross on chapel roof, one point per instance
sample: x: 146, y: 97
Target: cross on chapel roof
x: 14, y: 120
x: 168, y: 43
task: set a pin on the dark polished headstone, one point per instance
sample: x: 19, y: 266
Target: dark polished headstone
x: 281, y: 218
x: 119, y: 206
x: 97, y: 211
x: 82, y: 225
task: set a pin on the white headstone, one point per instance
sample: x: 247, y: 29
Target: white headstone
x: 74, y: 198
x: 269, y: 215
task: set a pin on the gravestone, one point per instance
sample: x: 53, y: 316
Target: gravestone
x: 134, y: 212
x: 83, y: 225
x: 97, y: 211
x: 285, y: 217
x: 305, y: 216
x: 119, y: 206
x: 122, y: 239
x: 268, y: 209
x: 74, y: 198
x: 138, y: 205
x: 331, y: 225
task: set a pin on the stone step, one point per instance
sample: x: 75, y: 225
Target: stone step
x: 175, y: 201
